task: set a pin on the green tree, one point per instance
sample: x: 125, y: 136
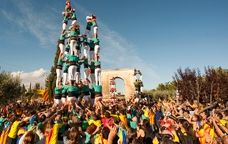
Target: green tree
x: 51, y: 79
x: 10, y: 87
x: 164, y: 90
x: 23, y: 89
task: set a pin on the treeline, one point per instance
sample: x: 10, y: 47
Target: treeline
x: 205, y: 88
x: 192, y: 85
x: 163, y: 91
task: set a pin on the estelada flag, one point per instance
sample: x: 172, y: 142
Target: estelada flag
x: 45, y: 95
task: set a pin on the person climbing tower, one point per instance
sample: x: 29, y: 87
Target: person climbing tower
x: 92, y: 23
x: 74, y: 37
x: 97, y: 65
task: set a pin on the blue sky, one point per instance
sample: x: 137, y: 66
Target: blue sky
x: 156, y: 36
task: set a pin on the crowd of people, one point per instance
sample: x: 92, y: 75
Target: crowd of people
x: 142, y: 121
x: 78, y: 114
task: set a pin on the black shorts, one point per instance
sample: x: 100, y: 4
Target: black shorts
x: 78, y: 48
x: 92, y: 95
x: 59, y: 67
x: 86, y: 66
x: 67, y: 49
x: 88, y: 28
x: 98, y: 93
x: 64, y: 95
x: 61, y: 41
x: 91, y: 49
x: 73, y: 38
x: 57, y: 96
x: 86, y: 93
x: 92, y: 71
x: 71, y: 94
x: 74, y: 18
x: 65, y: 21
x: 78, y: 69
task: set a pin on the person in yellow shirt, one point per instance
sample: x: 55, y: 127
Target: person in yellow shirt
x: 94, y: 120
x: 222, y: 121
x: 13, y: 131
x: 123, y: 118
x: 151, y: 115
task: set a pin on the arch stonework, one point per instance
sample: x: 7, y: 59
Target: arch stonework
x: 126, y: 74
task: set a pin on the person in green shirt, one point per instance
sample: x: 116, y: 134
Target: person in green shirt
x: 78, y: 72
x: 97, y: 65
x: 58, y: 94
x: 72, y: 70
x: 91, y: 45
x: 85, y: 45
x: 67, y: 49
x: 98, y: 93
x: 86, y: 68
x: 65, y: 72
x: 68, y: 14
x: 92, y: 95
x: 96, y: 41
x: 92, y: 22
x: 74, y: 37
x: 59, y: 71
x: 78, y: 47
x: 73, y: 92
x: 61, y: 41
x: 92, y: 71
x: 85, y: 91
x: 64, y: 93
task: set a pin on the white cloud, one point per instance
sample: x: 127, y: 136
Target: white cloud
x: 38, y: 24
x: 33, y: 77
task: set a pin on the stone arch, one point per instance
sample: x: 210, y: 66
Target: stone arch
x: 119, y: 85
x: 126, y: 74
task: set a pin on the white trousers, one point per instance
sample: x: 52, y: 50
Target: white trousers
x: 73, y: 47
x: 77, y: 74
x: 98, y: 76
x: 85, y: 51
x: 64, y: 26
x: 73, y: 22
x: 58, y: 76
x: 95, y: 31
x: 141, y: 89
x: 72, y: 72
x: 96, y: 50
x: 65, y: 79
x: 57, y: 101
x: 63, y: 100
x: 92, y: 78
x: 86, y: 73
x: 91, y: 55
x: 61, y: 47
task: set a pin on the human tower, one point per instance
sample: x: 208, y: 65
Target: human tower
x: 78, y: 68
